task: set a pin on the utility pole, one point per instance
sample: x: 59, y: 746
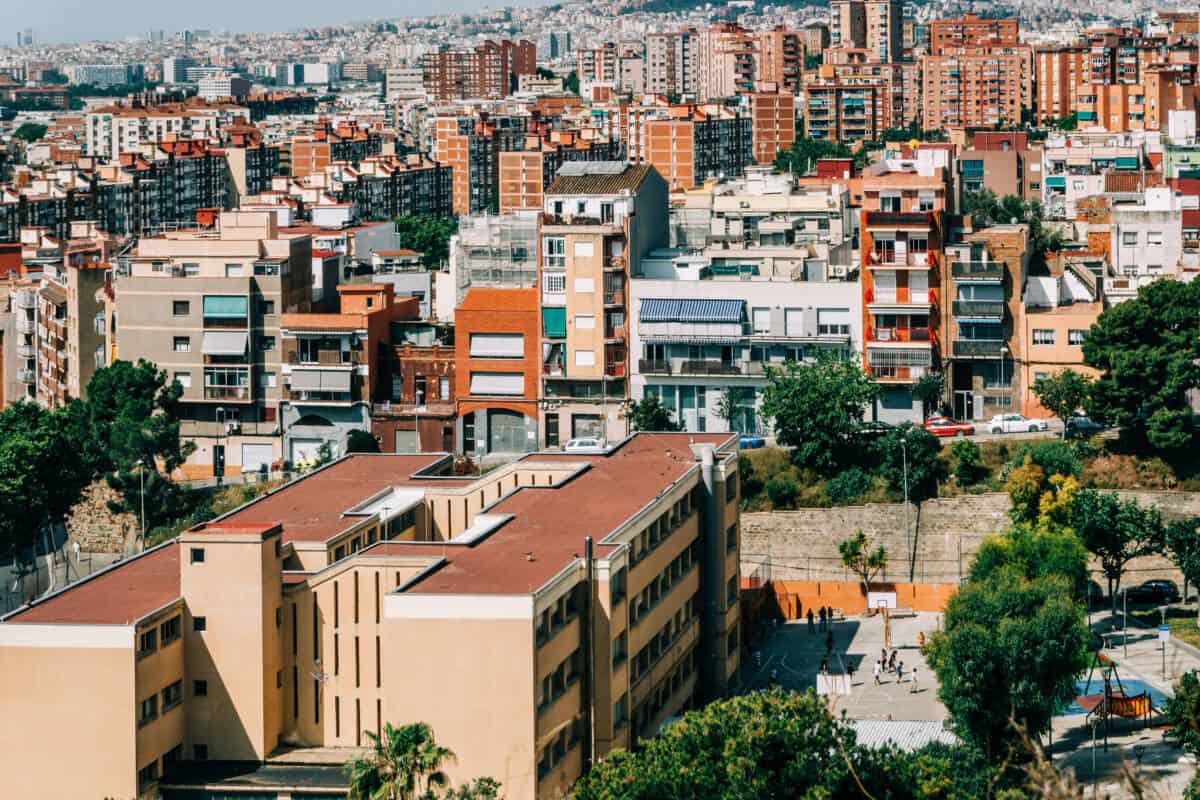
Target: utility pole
x: 907, y: 523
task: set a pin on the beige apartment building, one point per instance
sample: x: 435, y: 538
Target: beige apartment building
x: 379, y: 589
x: 205, y: 306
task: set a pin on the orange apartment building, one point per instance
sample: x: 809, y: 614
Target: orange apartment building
x: 498, y: 370
x: 698, y: 142
x: 383, y: 589
x: 779, y: 58
x: 488, y: 71
x: 976, y: 74
x: 874, y: 25
x: 970, y: 31
x: 1139, y: 106
x: 773, y: 124
x: 525, y: 173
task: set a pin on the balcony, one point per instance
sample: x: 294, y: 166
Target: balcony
x: 615, y: 369
x: 25, y: 351
x: 25, y: 325
x: 898, y: 374
x: 614, y: 298
x: 978, y: 348
x: 977, y: 270
x: 326, y: 358
x: 24, y: 300
x: 901, y: 335
x: 648, y: 366
x: 884, y: 259
x: 709, y: 367
x: 227, y: 393
x: 900, y: 219
x: 614, y: 263
x: 984, y: 309
x: 26, y: 376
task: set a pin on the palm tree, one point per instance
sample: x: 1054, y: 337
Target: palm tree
x: 404, y: 764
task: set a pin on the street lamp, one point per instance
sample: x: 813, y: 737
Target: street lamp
x: 907, y: 523
x: 141, y: 465
x: 219, y: 453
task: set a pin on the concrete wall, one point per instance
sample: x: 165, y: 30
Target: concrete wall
x: 802, y: 545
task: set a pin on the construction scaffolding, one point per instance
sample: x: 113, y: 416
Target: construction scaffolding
x: 495, y: 250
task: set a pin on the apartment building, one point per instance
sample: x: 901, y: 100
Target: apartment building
x: 816, y: 38
x: 982, y: 349
x: 1145, y: 241
x: 598, y: 64
x: 526, y: 173
x: 1139, y: 106
x: 672, y: 63
x: 489, y: 251
x: 252, y: 163
x: 845, y: 109
x: 772, y: 124
x: 313, y: 151
x: 205, y: 306
x: 332, y: 367
x: 779, y: 58
x: 114, y: 130
x: 1059, y: 308
x: 489, y: 70
x: 727, y: 61
x: 381, y: 586
x: 976, y: 87
x: 1003, y: 162
x: 874, y: 25
x: 695, y: 143
x: 389, y: 186
x: 420, y: 413
x: 71, y: 322
x: 601, y: 219
x: 19, y: 341
x: 470, y: 146
x: 1074, y: 167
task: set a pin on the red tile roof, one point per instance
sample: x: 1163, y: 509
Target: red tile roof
x: 120, y: 595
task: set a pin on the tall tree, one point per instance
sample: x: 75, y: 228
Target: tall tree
x: 1116, y: 531
x: 1183, y: 544
x: 859, y: 558
x: 429, y: 236
x: 404, y: 763
x: 909, y: 459
x: 817, y: 409
x: 1033, y: 551
x: 359, y: 441
x: 1011, y: 651
x: 1062, y: 393
x: 1148, y: 355
x: 928, y: 389
x: 649, y: 414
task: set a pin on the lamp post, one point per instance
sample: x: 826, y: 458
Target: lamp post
x: 907, y: 523
x: 219, y: 453
x: 141, y: 465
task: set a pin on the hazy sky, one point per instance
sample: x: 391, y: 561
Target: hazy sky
x: 80, y: 20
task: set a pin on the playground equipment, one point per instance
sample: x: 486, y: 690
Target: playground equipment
x: 1101, y: 708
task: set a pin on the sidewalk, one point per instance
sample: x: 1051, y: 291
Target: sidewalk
x: 1138, y: 651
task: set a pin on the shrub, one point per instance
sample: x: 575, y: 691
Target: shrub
x: 847, y: 486
x: 1054, y: 456
x: 969, y: 468
x: 782, y: 492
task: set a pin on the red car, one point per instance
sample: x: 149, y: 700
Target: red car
x: 944, y: 426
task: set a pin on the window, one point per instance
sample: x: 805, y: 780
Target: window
x: 585, y: 322
x: 731, y: 592
x: 147, y: 642
x: 197, y: 556
x: 268, y: 343
x: 199, y: 688
x: 621, y: 712
x: 731, y: 538
x: 1077, y: 186
x: 1129, y: 238
x: 585, y: 358
x: 1075, y: 336
x: 148, y: 710
x: 170, y: 630
x: 497, y: 345
x: 443, y: 388
x: 584, y: 250
x: 554, y: 283
x: 181, y: 344
x: 233, y: 270
x: 556, y: 252
x: 1154, y: 238
x: 268, y: 307
x: 793, y: 322
x: 585, y: 286
x: 761, y: 318
x: 172, y: 696
x: 833, y: 322
x: 147, y: 775
x: 267, y: 380
x: 510, y: 384
x: 620, y: 649
x: 419, y: 389
x: 184, y: 379
x: 1043, y: 336
x: 199, y: 624
x: 181, y: 308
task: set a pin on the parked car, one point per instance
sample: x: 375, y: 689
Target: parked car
x: 875, y: 430
x: 748, y: 441
x: 944, y: 426
x: 1081, y: 427
x: 1156, y: 592
x: 585, y: 444
x: 1016, y: 423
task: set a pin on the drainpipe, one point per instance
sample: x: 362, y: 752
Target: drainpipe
x: 711, y: 577
x: 588, y: 635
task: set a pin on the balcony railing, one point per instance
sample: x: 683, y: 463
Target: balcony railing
x: 25, y: 351
x: 977, y: 270
x: 979, y: 308
x: 614, y: 298
x: 26, y: 376
x: 648, y: 366
x: 900, y: 335
x: 709, y: 367
x: 615, y: 369
x: 326, y: 358
x: 978, y: 347
x: 226, y: 392
x: 25, y: 325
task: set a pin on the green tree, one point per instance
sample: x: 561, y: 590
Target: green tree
x: 649, y: 414
x: 1148, y: 355
x: 1028, y: 637
x: 1033, y: 551
x: 805, y: 152
x: 1063, y: 393
x: 1182, y: 715
x: 982, y: 206
x: 478, y: 789
x: 1116, y: 531
x: 30, y: 132
x: 908, y: 457
x: 42, y: 473
x: 859, y: 558
x: 429, y: 236
x: 571, y: 82
x: 967, y: 460
x: 404, y: 763
x: 928, y: 389
x: 1025, y: 487
x: 817, y: 409
x: 782, y: 491
x: 1183, y: 545
x: 736, y: 407
x: 359, y: 441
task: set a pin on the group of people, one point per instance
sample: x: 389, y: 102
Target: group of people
x: 824, y: 617
x: 890, y: 663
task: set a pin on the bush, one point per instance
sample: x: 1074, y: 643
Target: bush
x: 1054, y: 456
x: 782, y: 492
x: 847, y: 486
x: 967, y: 459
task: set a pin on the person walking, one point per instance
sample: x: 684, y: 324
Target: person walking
x: 877, y: 669
x: 900, y: 672
x: 891, y: 664
x: 811, y: 627
x: 821, y: 614
x: 913, y: 689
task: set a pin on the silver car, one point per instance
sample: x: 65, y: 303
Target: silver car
x: 1016, y: 423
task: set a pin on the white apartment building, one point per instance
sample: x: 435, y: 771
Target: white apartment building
x: 1146, y: 241
x: 114, y: 130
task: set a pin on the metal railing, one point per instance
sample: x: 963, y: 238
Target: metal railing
x: 709, y: 367
x: 978, y: 308
x: 25, y: 325
x: 647, y: 366
x: 979, y: 270
x: 976, y: 347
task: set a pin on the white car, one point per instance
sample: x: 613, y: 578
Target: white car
x: 1016, y: 423
x: 585, y: 444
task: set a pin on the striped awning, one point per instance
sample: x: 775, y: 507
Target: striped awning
x: 655, y: 309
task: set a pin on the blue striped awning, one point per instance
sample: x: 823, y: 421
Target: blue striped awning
x: 655, y: 309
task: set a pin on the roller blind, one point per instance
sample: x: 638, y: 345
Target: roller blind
x: 497, y: 345
x: 226, y: 306
x: 498, y: 383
